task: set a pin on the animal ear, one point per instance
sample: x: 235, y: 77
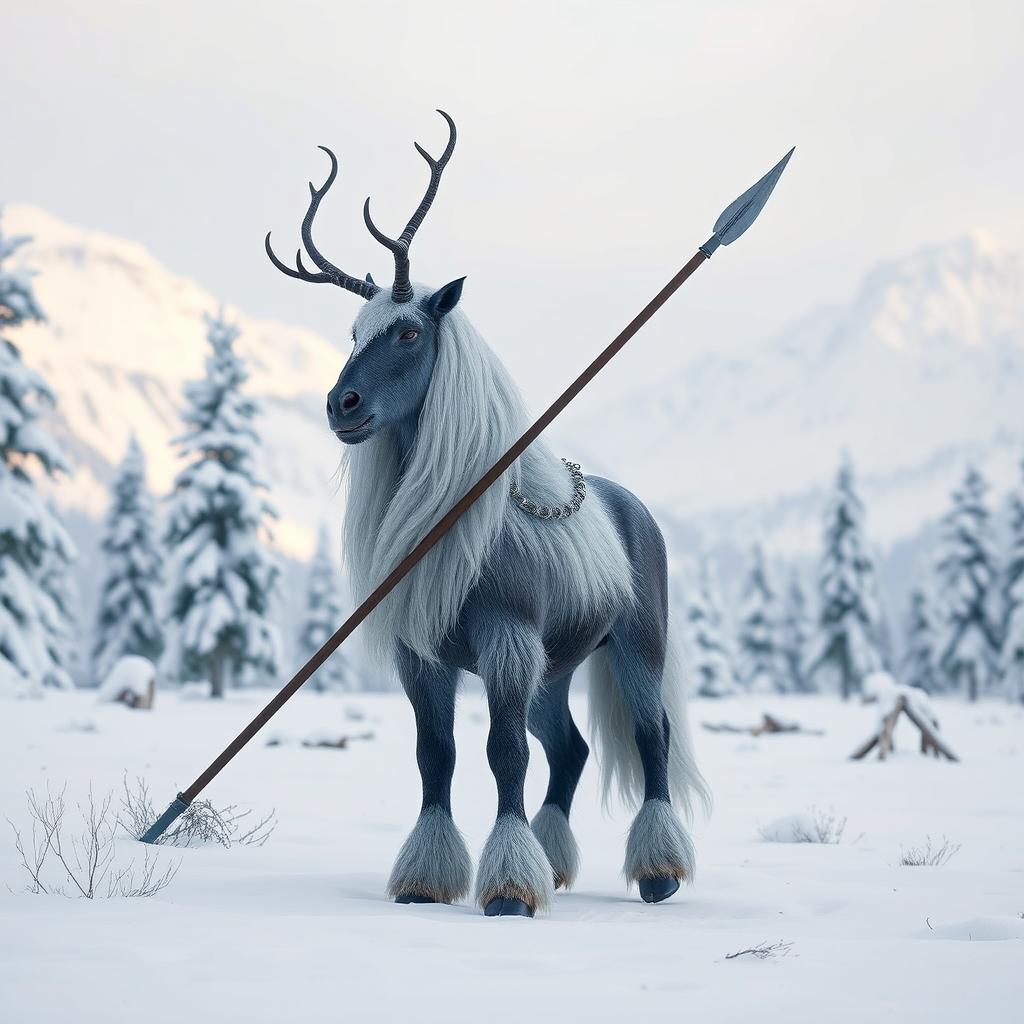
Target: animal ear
x: 369, y: 279
x: 445, y: 299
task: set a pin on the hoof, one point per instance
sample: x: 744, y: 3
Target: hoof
x: 654, y: 890
x: 502, y: 906
x: 413, y: 897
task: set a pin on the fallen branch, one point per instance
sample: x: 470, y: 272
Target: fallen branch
x: 768, y: 725
x: 883, y: 738
x: 322, y: 741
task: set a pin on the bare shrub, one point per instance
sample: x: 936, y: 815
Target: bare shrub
x: 83, y: 861
x: 199, y: 825
x: 928, y: 854
x: 763, y: 951
x: 828, y: 827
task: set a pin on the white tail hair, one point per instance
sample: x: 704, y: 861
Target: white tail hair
x: 612, y: 733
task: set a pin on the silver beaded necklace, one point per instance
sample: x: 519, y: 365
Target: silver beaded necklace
x: 555, y: 511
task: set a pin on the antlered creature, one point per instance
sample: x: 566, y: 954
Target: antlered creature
x: 546, y: 570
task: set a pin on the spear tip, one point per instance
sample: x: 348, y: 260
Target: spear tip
x: 742, y: 212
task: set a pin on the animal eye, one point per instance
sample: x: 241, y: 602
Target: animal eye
x: 410, y: 335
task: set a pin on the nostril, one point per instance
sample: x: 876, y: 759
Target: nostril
x: 350, y: 400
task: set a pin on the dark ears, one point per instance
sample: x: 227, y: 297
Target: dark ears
x: 445, y: 299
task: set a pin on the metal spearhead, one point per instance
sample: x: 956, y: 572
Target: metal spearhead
x: 742, y: 212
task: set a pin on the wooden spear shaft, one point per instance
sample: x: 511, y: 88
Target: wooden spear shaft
x: 736, y: 218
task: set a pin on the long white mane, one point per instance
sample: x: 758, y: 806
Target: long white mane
x: 471, y: 415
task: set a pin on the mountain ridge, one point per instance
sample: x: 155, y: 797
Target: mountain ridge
x: 123, y: 335
x: 919, y: 371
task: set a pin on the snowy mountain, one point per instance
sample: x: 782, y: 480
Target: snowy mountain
x: 124, y: 334
x: 921, y: 371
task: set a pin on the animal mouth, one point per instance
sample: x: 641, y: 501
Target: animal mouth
x: 344, y: 432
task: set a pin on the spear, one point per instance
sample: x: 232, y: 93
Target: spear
x: 733, y: 221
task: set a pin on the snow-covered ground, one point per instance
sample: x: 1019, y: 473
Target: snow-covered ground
x: 299, y: 928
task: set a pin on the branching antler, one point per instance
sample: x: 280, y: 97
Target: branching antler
x: 401, y: 290
x: 329, y: 273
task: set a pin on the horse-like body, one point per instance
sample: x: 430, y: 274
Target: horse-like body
x: 519, y: 601
x: 426, y: 409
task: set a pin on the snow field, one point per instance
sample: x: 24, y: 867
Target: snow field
x: 300, y: 928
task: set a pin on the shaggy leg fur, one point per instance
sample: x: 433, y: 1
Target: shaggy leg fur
x: 514, y: 876
x: 433, y: 865
x: 551, y: 722
x: 658, y: 846
x: 433, y: 862
x: 513, y: 866
x: 551, y: 827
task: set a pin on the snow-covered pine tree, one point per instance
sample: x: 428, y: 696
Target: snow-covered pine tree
x: 714, y: 675
x: 920, y: 666
x: 794, y: 634
x: 58, y: 580
x: 323, y: 616
x: 1012, y: 653
x: 849, y: 619
x: 758, y: 639
x: 34, y: 547
x: 128, y: 621
x: 969, y: 641
x: 222, y: 575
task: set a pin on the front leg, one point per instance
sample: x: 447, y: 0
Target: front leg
x: 514, y: 876
x: 433, y: 865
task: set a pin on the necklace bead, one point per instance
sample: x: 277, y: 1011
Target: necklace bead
x: 555, y: 511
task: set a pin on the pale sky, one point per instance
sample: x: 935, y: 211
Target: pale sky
x: 598, y: 143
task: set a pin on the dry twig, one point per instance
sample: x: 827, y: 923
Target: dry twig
x: 763, y: 951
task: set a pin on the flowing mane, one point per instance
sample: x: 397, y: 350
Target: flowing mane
x: 519, y: 600
x: 471, y: 415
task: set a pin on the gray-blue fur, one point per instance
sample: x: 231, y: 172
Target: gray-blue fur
x: 551, y: 827
x: 433, y: 860
x: 513, y: 865
x: 427, y: 407
x: 658, y: 845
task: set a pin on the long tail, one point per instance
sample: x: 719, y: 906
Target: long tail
x: 612, y: 733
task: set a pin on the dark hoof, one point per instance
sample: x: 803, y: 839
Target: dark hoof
x: 654, y: 890
x: 413, y: 897
x: 501, y: 906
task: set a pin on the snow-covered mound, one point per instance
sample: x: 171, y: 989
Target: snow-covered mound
x: 882, y: 688
x: 792, y: 828
x: 981, y: 929
x: 130, y: 675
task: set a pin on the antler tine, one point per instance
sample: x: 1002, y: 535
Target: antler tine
x: 395, y: 245
x: 436, y: 170
x: 330, y: 274
x: 401, y: 290
x: 301, y: 274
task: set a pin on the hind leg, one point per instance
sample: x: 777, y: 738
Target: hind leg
x: 551, y: 722
x: 659, y: 851
x: 513, y: 875
x: 433, y: 865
